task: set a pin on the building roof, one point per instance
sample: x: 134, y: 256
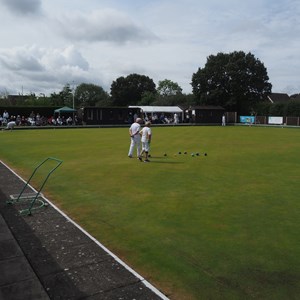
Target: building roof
x: 278, y: 97
x: 295, y: 97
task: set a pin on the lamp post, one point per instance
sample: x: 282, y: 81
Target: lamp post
x: 73, y: 98
x: 73, y: 94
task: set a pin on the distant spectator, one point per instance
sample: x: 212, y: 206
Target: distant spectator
x: 167, y: 120
x: 23, y: 121
x: 187, y: 118
x: 18, y: 120
x: 76, y: 120
x: 69, y: 121
x: 30, y: 121
x: 223, y: 120
x: 59, y: 121
x: 32, y: 115
x: 53, y: 121
x: 5, y: 116
x: 176, y: 119
x: 10, y: 125
x: 38, y: 119
x: 162, y: 118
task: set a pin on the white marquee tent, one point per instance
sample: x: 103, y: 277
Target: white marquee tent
x: 160, y: 109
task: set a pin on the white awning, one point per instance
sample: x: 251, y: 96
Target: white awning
x: 159, y: 109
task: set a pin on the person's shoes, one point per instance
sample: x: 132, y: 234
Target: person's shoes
x: 129, y: 156
x: 140, y: 159
x: 146, y: 160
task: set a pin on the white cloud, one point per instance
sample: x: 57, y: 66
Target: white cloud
x: 20, y: 59
x: 43, y: 69
x: 103, y: 25
x: 64, y: 58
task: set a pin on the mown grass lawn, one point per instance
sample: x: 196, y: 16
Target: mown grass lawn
x: 221, y: 226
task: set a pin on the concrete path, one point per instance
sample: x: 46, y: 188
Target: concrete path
x: 48, y: 256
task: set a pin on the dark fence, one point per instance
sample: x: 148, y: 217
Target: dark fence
x: 123, y: 115
x: 107, y: 115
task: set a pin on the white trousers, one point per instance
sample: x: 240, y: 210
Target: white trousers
x: 135, y: 142
x: 145, y: 146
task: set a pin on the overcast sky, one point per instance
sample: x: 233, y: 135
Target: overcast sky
x: 47, y: 44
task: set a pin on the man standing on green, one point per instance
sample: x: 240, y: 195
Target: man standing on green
x: 135, y: 138
x: 146, y: 140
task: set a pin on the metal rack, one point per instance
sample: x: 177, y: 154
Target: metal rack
x: 36, y: 196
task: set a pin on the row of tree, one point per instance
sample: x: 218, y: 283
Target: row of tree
x: 290, y: 108
x: 236, y: 81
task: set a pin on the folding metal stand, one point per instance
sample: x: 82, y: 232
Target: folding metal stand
x: 36, y: 196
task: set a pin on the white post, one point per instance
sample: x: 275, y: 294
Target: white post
x: 73, y: 96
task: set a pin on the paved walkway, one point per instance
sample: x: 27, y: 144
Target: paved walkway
x: 47, y: 256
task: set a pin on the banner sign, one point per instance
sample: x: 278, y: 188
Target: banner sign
x: 247, y: 119
x: 275, y: 120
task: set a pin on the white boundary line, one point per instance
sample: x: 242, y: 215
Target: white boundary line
x: 121, y: 262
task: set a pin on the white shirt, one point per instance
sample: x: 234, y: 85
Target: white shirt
x: 5, y: 115
x: 146, y: 133
x: 135, y: 129
x: 11, y: 124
